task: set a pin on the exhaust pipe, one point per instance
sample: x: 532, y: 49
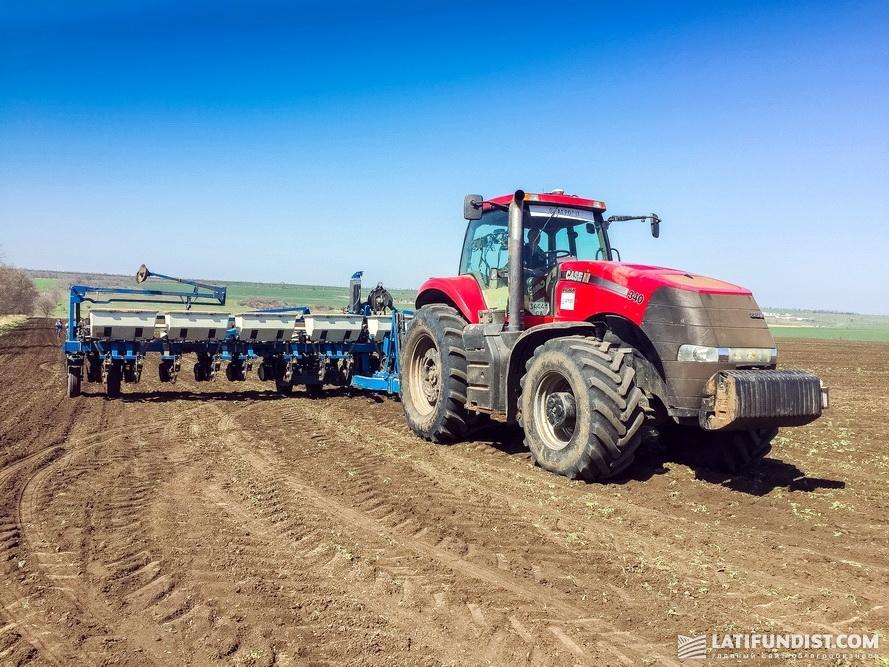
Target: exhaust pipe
x: 516, y: 286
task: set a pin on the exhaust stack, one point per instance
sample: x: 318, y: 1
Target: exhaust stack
x: 516, y: 287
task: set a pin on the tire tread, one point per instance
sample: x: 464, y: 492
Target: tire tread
x: 609, y: 375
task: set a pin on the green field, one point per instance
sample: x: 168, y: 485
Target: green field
x: 45, y: 284
x: 875, y: 334
x: 827, y: 325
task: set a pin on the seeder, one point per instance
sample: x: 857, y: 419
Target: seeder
x: 289, y: 346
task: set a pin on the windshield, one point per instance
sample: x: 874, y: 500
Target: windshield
x: 562, y: 232
x: 552, y: 233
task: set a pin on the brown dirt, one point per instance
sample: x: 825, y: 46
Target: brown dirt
x: 223, y: 524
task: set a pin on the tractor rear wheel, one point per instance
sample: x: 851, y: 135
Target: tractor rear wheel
x: 73, y: 384
x: 433, y: 376
x: 721, y: 451
x: 581, y: 409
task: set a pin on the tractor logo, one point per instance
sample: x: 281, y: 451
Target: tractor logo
x: 757, y: 316
x: 577, y: 276
x: 691, y: 648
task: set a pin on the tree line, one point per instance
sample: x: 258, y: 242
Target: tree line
x: 18, y: 296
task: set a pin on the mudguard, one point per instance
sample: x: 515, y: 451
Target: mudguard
x: 462, y: 292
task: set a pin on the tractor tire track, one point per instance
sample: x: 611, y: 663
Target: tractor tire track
x: 393, y: 515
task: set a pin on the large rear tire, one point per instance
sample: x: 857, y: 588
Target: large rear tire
x: 433, y: 375
x: 721, y: 451
x: 581, y: 409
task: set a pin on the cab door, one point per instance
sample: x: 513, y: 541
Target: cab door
x: 486, y: 257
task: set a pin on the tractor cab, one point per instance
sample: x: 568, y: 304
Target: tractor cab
x: 557, y: 228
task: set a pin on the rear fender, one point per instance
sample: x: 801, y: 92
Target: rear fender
x: 460, y: 292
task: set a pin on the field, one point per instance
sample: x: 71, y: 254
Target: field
x: 221, y: 523
x: 826, y: 325
x: 8, y: 322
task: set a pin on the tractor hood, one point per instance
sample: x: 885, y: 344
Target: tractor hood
x: 672, y: 308
x: 642, y: 278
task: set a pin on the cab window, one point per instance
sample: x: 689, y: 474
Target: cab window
x: 486, y: 248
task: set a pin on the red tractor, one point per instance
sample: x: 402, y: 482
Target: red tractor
x: 587, y: 354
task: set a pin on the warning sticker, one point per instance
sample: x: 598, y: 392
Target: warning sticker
x: 566, y: 301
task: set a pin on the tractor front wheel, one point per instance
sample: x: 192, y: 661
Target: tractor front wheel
x: 433, y: 376
x: 581, y: 409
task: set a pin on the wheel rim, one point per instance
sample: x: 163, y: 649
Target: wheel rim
x: 555, y: 412
x: 425, y: 375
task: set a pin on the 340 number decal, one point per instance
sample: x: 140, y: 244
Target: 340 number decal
x: 632, y: 295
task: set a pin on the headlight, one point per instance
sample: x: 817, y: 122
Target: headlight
x: 698, y: 353
x: 730, y: 355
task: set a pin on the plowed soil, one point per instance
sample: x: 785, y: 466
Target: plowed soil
x: 221, y: 523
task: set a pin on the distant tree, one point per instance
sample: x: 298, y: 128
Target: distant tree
x: 46, y: 305
x: 17, y: 293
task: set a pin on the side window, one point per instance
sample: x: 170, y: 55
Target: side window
x: 586, y: 243
x: 485, y: 247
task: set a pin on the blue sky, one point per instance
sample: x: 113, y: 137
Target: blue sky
x: 299, y: 142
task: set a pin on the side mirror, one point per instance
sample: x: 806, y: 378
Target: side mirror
x: 472, y: 207
x: 655, y: 225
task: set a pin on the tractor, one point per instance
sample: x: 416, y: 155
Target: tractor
x: 544, y: 329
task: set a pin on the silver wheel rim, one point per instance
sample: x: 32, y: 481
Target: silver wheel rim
x: 555, y: 430
x: 425, y: 375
